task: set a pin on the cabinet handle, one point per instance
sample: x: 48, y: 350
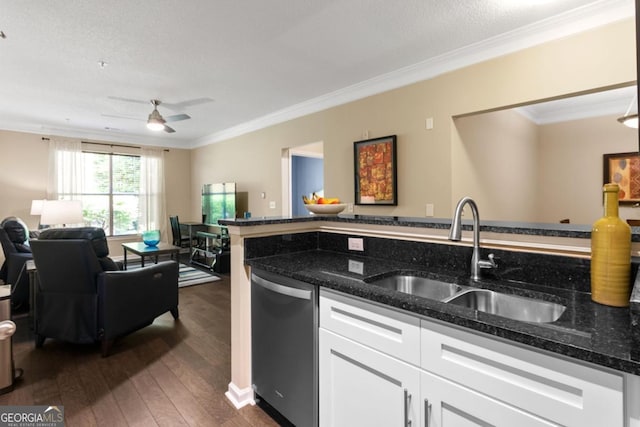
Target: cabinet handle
x: 427, y: 412
x: 407, y: 400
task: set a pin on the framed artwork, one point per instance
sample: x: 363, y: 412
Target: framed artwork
x: 375, y: 171
x: 623, y: 169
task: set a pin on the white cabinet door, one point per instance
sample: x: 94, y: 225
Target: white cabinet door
x: 559, y: 390
x: 360, y: 386
x: 446, y: 404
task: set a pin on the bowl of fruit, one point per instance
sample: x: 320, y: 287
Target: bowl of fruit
x: 323, y: 205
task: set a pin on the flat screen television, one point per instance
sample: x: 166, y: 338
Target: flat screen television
x: 218, y: 201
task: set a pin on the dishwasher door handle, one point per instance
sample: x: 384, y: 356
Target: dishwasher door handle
x: 282, y: 289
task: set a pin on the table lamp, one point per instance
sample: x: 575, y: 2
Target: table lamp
x: 55, y: 212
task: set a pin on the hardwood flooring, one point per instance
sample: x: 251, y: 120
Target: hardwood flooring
x: 168, y: 374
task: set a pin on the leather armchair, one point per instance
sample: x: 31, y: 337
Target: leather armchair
x: 78, y: 301
x: 14, y: 240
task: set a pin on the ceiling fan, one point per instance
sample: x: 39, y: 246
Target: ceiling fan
x: 155, y: 120
x: 157, y: 123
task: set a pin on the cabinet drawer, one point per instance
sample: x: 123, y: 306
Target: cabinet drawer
x: 388, y: 331
x: 552, y: 388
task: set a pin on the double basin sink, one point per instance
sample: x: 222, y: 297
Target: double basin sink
x: 510, y: 306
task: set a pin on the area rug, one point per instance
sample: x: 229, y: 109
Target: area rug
x: 189, y: 276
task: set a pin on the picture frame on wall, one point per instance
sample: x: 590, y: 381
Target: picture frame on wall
x: 623, y: 169
x: 375, y: 163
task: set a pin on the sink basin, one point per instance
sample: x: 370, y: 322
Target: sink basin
x: 419, y: 286
x: 510, y: 306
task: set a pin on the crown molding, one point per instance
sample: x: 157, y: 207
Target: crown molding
x: 576, y: 21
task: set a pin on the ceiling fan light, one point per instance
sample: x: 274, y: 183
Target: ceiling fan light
x: 155, y: 121
x: 630, y: 121
x: 155, y: 126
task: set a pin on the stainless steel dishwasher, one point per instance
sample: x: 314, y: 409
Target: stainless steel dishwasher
x: 284, y: 340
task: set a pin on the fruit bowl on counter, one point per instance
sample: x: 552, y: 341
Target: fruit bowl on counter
x: 326, y: 209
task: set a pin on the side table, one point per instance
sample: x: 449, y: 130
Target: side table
x: 33, y: 286
x: 142, y: 250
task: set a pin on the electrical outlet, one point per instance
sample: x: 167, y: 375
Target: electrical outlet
x: 272, y: 204
x: 356, y: 244
x: 356, y: 267
x: 350, y: 208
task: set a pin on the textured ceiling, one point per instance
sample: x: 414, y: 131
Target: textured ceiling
x: 234, y: 66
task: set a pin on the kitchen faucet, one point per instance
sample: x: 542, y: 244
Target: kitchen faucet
x: 455, y: 234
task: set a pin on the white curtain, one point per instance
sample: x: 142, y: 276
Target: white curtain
x: 152, y: 200
x: 66, y: 171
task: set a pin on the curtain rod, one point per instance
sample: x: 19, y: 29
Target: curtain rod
x: 44, y: 138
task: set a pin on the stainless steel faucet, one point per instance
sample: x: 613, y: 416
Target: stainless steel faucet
x: 455, y: 234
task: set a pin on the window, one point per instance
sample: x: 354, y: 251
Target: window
x: 122, y: 193
x: 111, y: 192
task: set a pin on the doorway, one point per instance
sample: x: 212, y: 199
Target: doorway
x: 306, y: 175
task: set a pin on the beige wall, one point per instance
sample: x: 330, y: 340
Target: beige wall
x: 497, y: 165
x: 426, y: 173
x: 23, y: 174
x: 519, y: 171
x: 571, y: 167
x: 23, y: 177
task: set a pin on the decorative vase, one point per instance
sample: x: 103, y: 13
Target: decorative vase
x: 151, y: 237
x: 611, y: 254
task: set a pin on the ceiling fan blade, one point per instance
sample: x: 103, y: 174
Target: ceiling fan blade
x: 177, y: 117
x: 189, y: 103
x: 169, y: 129
x: 115, y: 116
x: 135, y: 101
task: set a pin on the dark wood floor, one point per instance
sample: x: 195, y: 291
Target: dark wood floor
x: 168, y: 374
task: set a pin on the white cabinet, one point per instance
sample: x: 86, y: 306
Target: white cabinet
x: 555, y: 389
x: 368, y: 373
x: 371, y: 355
x: 447, y: 404
x: 360, y: 386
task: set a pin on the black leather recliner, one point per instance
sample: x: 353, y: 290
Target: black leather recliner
x: 82, y: 296
x: 14, y: 240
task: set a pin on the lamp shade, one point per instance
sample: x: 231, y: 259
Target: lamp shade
x: 36, y: 207
x: 56, y: 212
x: 630, y: 121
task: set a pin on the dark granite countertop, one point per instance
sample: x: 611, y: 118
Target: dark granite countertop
x: 580, y: 231
x: 586, y: 331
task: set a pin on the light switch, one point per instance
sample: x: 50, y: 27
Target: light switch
x: 429, y: 211
x: 429, y: 123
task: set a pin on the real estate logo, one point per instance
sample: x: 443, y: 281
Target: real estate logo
x: 32, y: 416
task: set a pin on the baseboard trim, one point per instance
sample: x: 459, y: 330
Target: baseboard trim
x: 240, y: 397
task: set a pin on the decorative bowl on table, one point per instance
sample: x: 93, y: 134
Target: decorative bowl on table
x: 151, y: 237
x: 328, y: 209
